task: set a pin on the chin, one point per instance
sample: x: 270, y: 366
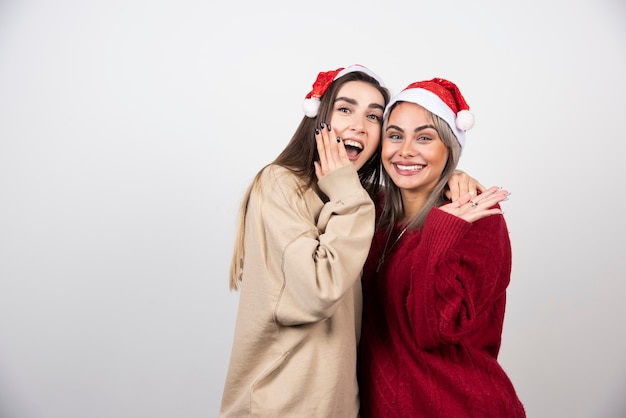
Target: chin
x: 358, y: 163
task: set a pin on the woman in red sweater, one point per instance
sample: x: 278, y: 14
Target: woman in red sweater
x: 434, y: 284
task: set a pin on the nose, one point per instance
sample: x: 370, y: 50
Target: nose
x: 406, y: 150
x: 357, y: 124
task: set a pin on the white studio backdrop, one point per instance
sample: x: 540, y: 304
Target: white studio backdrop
x: 130, y: 129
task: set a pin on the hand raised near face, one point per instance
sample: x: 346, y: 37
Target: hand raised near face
x: 331, y: 151
x: 471, y: 209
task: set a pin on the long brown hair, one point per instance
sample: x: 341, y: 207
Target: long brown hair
x: 393, y: 209
x: 298, y: 157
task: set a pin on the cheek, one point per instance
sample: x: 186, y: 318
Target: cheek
x: 441, y: 156
x: 387, y: 150
x: 374, y: 136
x: 437, y: 161
x: 387, y: 166
x: 372, y: 145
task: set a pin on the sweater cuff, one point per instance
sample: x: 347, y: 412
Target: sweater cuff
x: 341, y: 182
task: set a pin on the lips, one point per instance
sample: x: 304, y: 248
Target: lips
x: 353, y: 148
x: 408, y: 167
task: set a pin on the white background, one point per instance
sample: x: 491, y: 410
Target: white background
x: 129, y: 130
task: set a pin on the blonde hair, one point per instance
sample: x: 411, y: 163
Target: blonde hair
x: 236, y: 263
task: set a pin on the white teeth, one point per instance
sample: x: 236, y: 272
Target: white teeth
x: 410, y: 167
x: 353, y: 144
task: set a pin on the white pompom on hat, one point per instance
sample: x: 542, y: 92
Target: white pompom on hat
x: 444, y: 99
x: 311, y: 103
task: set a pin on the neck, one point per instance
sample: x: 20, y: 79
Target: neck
x: 412, y: 204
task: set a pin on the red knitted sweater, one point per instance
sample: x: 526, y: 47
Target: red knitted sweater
x: 432, y: 322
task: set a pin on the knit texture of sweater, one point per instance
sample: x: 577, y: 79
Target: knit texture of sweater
x: 432, y: 322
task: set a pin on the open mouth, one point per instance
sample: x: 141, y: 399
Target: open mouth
x: 353, y: 148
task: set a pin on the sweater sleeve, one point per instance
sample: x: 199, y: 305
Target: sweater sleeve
x: 321, y: 246
x: 461, y: 270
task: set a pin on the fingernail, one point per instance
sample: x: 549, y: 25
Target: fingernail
x: 317, y: 131
x: 338, y: 139
x: 321, y: 124
x: 328, y: 126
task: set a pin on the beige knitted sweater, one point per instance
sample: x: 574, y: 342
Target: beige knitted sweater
x: 298, y: 325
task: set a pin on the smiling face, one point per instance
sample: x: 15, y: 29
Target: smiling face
x: 413, y: 154
x: 356, y: 117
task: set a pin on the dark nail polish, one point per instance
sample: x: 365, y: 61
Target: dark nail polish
x: 328, y: 126
x: 317, y: 131
x: 338, y: 139
x: 322, y: 125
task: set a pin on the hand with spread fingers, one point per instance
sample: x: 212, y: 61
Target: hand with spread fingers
x: 331, y: 150
x: 471, y: 208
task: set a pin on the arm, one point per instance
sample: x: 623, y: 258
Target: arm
x: 320, y: 247
x: 462, y: 269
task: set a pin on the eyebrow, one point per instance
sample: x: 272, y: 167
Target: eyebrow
x: 419, y: 128
x: 353, y: 102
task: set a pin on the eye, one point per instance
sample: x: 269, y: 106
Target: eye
x: 394, y: 137
x: 343, y: 109
x: 423, y: 139
x: 375, y: 117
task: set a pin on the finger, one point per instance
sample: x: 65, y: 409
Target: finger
x: 333, y: 149
x: 452, y: 207
x: 461, y: 183
x: 480, y: 214
x: 490, y: 197
x: 463, y: 199
x: 328, y: 149
x: 328, y: 164
x: 487, y: 193
x: 465, y: 186
x: 474, y: 187
x: 341, y: 152
x: 321, y: 151
x: 453, y: 192
x: 337, y: 149
x: 470, y: 185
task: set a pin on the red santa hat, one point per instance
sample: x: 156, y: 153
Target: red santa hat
x: 441, y: 97
x: 312, y: 100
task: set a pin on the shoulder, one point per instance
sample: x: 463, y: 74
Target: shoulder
x: 273, y: 175
x: 273, y: 171
x: 276, y: 182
